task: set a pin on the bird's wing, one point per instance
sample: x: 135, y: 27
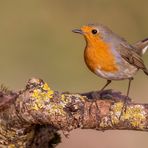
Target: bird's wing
x: 128, y: 53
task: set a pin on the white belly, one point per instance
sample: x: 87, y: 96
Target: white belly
x: 125, y: 71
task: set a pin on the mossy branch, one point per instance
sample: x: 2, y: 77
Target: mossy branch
x: 31, y: 117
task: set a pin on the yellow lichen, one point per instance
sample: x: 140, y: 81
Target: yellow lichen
x: 118, y: 107
x: 35, y: 107
x: 41, y: 95
x: 11, y: 146
x: 46, y: 87
x: 42, y: 98
x: 59, y: 108
x: 116, y: 112
x: 136, y: 115
x: 64, y: 100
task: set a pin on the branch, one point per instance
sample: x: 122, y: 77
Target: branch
x: 31, y: 117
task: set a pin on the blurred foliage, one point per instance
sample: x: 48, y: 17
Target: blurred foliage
x: 36, y: 40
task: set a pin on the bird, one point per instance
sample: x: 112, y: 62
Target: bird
x: 110, y: 56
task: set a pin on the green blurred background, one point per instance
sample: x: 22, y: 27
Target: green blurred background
x: 36, y: 41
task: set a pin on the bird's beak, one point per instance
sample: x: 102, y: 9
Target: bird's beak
x: 77, y: 31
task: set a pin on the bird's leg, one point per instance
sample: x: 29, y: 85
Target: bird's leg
x: 97, y: 95
x: 129, y: 85
x: 107, y: 83
x: 126, y: 99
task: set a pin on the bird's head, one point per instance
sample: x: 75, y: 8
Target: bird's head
x: 93, y: 32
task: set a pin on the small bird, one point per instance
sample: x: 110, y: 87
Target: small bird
x: 110, y: 56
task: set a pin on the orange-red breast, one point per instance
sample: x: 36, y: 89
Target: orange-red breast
x: 110, y: 56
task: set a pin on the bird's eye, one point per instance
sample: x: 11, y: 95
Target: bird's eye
x: 94, y: 31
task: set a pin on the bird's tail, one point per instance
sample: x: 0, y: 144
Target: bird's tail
x: 141, y: 46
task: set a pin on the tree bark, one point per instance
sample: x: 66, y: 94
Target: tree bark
x: 32, y: 117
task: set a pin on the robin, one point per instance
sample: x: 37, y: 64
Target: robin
x: 110, y: 56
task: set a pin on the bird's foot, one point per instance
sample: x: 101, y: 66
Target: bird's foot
x: 124, y: 108
x: 101, y: 95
